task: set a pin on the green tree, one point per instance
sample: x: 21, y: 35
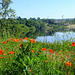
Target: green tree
x: 5, y: 12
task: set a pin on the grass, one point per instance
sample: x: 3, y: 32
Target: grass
x: 36, y: 58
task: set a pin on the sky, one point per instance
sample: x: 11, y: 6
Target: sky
x: 52, y: 9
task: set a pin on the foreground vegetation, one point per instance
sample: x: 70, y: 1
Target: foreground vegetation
x: 36, y: 58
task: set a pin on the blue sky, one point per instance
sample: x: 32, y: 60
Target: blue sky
x: 53, y: 9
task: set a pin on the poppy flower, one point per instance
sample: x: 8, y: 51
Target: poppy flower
x: 4, y: 54
x: 33, y: 40
x: 51, y: 51
x: 41, y: 53
x: 46, y: 61
x: 43, y: 49
x: 4, y: 42
x: 68, y: 63
x: 11, y: 52
x: 11, y: 38
x: 56, y: 53
x: 73, y: 44
x: 61, y: 56
x: 59, y: 50
x: 26, y: 38
x: 31, y: 70
x: 17, y: 40
x: 1, y: 52
x: 2, y: 57
x: 69, y: 51
x: 20, y: 45
x: 7, y: 41
x: 32, y: 51
x: 21, y: 39
x: 14, y: 40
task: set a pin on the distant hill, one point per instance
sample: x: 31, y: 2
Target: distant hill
x: 64, y: 19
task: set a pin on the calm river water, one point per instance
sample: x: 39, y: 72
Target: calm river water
x: 58, y: 36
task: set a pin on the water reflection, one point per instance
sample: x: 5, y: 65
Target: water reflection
x: 58, y: 36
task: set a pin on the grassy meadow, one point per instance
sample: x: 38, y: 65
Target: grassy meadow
x: 36, y: 58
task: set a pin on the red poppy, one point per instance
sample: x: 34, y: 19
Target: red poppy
x: 59, y: 50
x: 14, y: 40
x: 1, y: 52
x: 11, y: 52
x: 31, y: 70
x: 11, y: 38
x: 61, y: 56
x: 41, y: 53
x: 2, y: 57
x: 26, y: 38
x: 17, y: 40
x: 68, y: 63
x: 4, y: 42
x: 4, y: 54
x: 46, y: 61
x: 56, y: 53
x: 73, y: 44
x: 20, y: 45
x: 33, y: 40
x: 51, y: 51
x: 43, y: 49
x: 7, y: 41
x: 21, y: 39
x: 32, y: 51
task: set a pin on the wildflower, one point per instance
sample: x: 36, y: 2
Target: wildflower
x: 11, y: 38
x: 43, y: 49
x: 31, y: 70
x: 68, y: 63
x: 4, y: 42
x: 69, y: 51
x: 33, y: 40
x: 11, y: 52
x: 7, y: 57
x: 32, y: 51
x: 21, y: 39
x: 26, y: 38
x: 73, y: 44
x: 55, y: 60
x: 2, y: 57
x: 1, y: 52
x: 4, y: 54
x: 41, y: 53
x: 51, y: 51
x: 61, y: 59
x: 51, y: 57
x: 61, y: 56
x: 17, y: 40
x: 66, y: 54
x: 59, y: 50
x: 20, y: 45
x: 56, y: 53
x: 46, y: 61
x: 14, y: 40
x: 7, y: 41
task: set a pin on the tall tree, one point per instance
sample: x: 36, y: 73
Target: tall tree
x: 5, y: 12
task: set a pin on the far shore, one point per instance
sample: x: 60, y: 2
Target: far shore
x: 71, y: 26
